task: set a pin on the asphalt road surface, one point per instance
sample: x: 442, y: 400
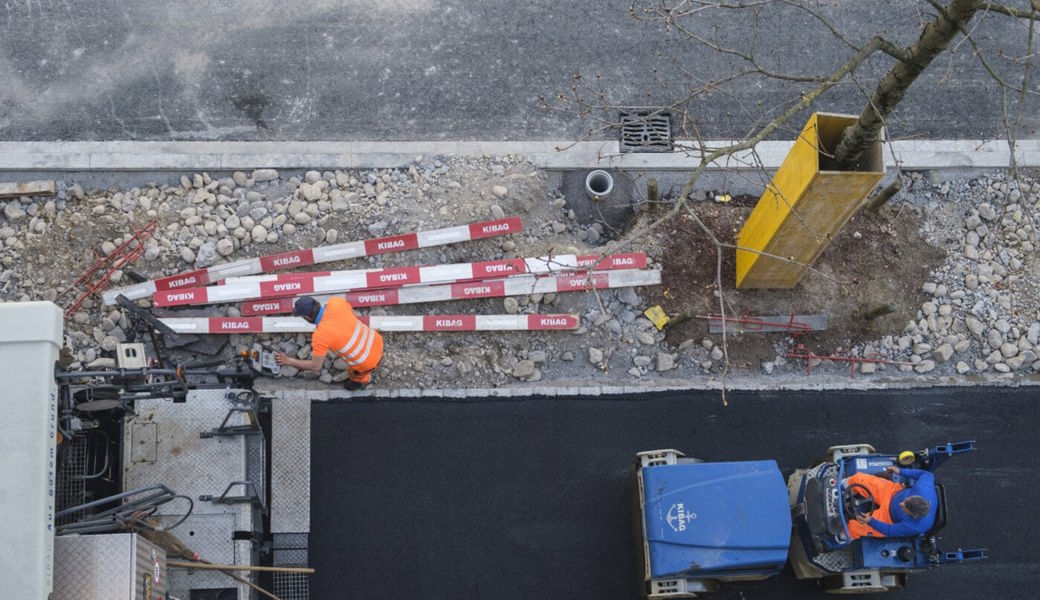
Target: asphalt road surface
x: 530, y: 498
x: 464, y: 69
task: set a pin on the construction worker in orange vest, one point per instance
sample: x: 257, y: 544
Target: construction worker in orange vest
x: 337, y: 328
x: 901, y: 510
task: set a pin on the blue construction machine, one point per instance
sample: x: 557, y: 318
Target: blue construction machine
x: 705, y: 523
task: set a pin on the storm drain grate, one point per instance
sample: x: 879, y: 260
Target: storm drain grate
x: 646, y: 131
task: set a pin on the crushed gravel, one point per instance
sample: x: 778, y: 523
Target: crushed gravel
x: 979, y: 315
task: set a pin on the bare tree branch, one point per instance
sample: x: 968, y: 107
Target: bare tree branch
x: 1012, y: 11
x: 940, y: 24
x: 892, y: 87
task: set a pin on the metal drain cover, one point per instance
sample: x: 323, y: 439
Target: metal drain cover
x: 646, y: 131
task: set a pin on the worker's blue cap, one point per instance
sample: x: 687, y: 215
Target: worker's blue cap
x: 305, y: 306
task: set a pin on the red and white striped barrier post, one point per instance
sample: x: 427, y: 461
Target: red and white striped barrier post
x: 630, y: 260
x: 491, y: 288
x: 295, y: 284
x: 488, y: 288
x: 321, y: 254
x: 225, y: 325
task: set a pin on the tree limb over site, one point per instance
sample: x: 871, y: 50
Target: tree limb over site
x: 880, y: 67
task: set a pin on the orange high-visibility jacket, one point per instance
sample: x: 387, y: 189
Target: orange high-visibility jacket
x: 882, y: 490
x: 340, y: 330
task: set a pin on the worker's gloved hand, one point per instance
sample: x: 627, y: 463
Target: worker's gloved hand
x: 892, y: 469
x: 863, y: 518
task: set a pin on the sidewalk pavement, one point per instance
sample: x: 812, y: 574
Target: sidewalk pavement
x: 559, y: 155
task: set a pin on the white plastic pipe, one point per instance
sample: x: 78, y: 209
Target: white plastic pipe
x: 598, y: 184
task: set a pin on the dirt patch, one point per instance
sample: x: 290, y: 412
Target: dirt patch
x: 877, y: 259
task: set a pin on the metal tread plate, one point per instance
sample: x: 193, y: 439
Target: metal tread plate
x: 290, y: 463
x: 111, y: 566
x: 182, y: 581
x: 162, y: 444
x: 207, y: 534
x: 836, y: 560
x: 291, y: 550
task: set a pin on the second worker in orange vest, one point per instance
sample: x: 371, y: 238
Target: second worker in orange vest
x: 338, y: 329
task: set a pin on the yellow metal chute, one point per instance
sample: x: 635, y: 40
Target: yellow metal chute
x: 804, y: 206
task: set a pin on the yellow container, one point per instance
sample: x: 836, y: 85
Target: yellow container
x: 804, y: 205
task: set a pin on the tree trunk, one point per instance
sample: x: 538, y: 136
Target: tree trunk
x: 890, y: 90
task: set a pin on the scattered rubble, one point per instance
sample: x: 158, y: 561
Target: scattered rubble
x: 979, y: 312
x: 983, y: 304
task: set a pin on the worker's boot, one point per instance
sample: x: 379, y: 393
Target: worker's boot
x: 352, y: 386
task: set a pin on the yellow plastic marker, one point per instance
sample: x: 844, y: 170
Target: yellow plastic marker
x: 657, y: 316
x: 907, y: 458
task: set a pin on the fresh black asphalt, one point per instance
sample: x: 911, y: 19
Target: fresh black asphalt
x: 530, y: 498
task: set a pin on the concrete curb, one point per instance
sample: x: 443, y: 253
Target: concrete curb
x: 333, y: 392
x: 553, y: 155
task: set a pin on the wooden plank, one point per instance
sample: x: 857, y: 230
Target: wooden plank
x: 261, y: 569
x: 27, y: 188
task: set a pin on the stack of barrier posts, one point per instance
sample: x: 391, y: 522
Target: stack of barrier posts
x: 320, y: 254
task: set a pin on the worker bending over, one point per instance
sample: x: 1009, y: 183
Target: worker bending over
x: 901, y: 511
x: 337, y: 328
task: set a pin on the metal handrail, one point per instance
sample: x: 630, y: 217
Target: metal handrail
x: 125, y: 515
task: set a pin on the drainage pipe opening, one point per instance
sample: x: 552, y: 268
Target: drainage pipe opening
x: 599, y: 184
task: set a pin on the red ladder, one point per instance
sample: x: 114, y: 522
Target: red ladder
x: 99, y: 275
